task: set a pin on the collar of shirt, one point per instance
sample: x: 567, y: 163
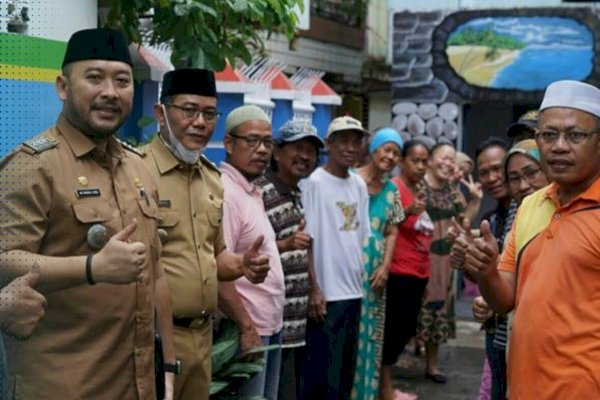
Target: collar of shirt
x: 592, y: 194
x: 165, y: 159
x: 281, y: 187
x: 239, y: 179
x: 80, y: 144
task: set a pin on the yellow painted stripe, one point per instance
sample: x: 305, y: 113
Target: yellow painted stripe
x: 22, y: 73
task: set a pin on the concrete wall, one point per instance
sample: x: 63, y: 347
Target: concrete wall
x: 380, y: 109
x: 319, y: 55
x: 378, y: 31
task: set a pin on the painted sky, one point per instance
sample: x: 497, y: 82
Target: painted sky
x: 537, y: 32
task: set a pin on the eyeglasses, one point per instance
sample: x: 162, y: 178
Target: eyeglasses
x: 255, y: 141
x: 528, y: 175
x: 209, y: 114
x: 573, y: 137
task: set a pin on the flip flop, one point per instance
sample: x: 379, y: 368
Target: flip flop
x: 437, y: 378
x: 399, y: 395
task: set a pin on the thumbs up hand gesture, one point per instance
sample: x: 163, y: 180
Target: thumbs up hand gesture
x: 460, y: 236
x: 120, y: 261
x: 299, y: 240
x: 482, y: 255
x: 255, y: 266
x: 21, y: 307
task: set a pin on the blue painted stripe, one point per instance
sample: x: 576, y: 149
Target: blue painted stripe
x: 28, y: 108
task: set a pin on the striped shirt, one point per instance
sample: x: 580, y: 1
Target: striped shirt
x: 500, y: 336
x: 285, y: 211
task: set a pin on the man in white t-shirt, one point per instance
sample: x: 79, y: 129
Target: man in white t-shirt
x: 336, y: 204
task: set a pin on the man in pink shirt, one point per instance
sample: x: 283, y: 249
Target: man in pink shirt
x: 257, y: 309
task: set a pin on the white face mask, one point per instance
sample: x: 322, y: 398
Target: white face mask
x: 176, y: 147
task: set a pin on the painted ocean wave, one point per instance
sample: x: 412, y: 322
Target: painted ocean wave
x: 535, y: 68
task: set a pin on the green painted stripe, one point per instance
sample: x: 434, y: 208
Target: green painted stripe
x: 441, y: 247
x: 31, y: 51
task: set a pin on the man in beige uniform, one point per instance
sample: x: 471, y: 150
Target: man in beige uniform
x: 190, y: 208
x: 83, y: 207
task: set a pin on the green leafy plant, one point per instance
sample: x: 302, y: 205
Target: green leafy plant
x: 204, y: 33
x: 229, y: 372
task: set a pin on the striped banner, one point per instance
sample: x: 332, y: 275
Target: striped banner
x: 29, y: 58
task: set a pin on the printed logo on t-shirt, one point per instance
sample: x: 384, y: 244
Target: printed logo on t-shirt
x: 349, y: 214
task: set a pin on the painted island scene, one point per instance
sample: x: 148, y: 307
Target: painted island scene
x: 524, y: 53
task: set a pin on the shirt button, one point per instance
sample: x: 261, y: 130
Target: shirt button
x: 205, y: 281
x: 138, y: 352
x: 557, y: 216
x: 194, y: 215
x: 210, y: 196
x: 203, y: 313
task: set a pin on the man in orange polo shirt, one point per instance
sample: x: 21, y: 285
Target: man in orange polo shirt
x: 550, y: 271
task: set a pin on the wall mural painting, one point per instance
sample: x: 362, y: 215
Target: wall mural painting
x: 513, y: 55
x: 525, y: 53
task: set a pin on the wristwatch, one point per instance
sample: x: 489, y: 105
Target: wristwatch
x: 174, y: 368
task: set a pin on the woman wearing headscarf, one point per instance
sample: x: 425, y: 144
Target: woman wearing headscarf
x: 385, y: 212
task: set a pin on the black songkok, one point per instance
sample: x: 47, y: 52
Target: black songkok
x: 97, y: 44
x: 189, y: 81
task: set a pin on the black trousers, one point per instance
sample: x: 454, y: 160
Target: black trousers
x: 331, y: 349
x: 404, y: 300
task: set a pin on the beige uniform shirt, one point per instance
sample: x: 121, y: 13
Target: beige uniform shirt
x: 95, y: 342
x: 190, y: 208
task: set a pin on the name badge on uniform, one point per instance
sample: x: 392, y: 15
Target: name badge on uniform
x: 83, y: 193
x: 164, y: 203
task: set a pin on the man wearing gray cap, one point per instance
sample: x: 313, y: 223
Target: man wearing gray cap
x: 294, y: 158
x: 549, y: 272
x: 257, y: 309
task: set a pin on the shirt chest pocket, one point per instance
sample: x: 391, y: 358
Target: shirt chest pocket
x: 89, y: 212
x: 149, y: 208
x: 150, y: 214
x: 168, y: 219
x: 215, y: 218
x: 95, y: 218
x: 213, y: 232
